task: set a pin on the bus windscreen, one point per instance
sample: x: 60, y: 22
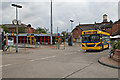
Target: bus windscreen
x: 90, y: 38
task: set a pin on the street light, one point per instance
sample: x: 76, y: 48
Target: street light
x: 71, y: 24
x: 17, y: 6
x: 71, y: 32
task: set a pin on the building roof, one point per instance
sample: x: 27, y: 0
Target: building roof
x: 95, y: 26
x: 87, y: 26
x: 108, y: 25
x: 13, y: 26
x: 117, y: 21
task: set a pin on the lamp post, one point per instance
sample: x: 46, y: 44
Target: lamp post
x: 57, y: 38
x: 71, y: 32
x: 71, y: 24
x: 16, y: 6
x: 51, y: 24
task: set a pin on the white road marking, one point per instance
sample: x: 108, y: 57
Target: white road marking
x: 48, y: 57
x: 43, y: 58
x: 69, y: 54
x: 32, y: 60
x: 5, y: 65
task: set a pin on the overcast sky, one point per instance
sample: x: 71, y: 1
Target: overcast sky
x: 37, y: 13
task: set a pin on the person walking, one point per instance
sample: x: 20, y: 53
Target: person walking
x: 4, y: 46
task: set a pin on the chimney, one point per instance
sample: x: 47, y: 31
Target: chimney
x: 105, y: 18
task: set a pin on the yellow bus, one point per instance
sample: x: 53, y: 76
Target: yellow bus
x: 95, y: 40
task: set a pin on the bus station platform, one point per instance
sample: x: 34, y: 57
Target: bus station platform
x: 107, y: 61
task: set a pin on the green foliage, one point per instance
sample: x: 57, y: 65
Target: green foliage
x: 65, y: 34
x: 116, y: 44
x: 21, y: 30
x: 5, y: 29
x: 41, y: 30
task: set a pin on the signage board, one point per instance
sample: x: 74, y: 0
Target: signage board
x: 58, y: 34
x: 30, y: 34
x: 90, y: 32
x: 10, y: 41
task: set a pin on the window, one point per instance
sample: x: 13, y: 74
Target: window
x: 14, y: 30
x: 10, y: 30
x: 26, y: 31
x: 90, y: 38
x: 95, y: 38
x: 86, y: 38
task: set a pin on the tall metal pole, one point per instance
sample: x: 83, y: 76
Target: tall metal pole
x: 17, y: 30
x: 57, y: 38
x: 17, y: 6
x: 57, y: 30
x: 71, y: 32
x: 71, y: 26
x: 51, y: 22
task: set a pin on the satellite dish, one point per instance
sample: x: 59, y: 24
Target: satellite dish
x: 14, y: 21
x: 19, y: 22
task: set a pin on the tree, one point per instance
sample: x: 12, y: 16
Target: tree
x: 65, y: 34
x: 41, y: 30
x: 5, y: 28
x: 21, y: 30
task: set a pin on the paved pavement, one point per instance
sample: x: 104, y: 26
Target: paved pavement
x: 110, y: 62
x: 50, y: 62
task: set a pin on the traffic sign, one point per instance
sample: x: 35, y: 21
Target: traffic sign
x: 58, y: 34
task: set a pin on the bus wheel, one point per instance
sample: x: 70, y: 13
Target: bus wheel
x: 108, y: 46
x: 87, y: 50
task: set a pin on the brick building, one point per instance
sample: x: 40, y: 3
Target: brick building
x: 116, y: 28
x: 77, y: 31
x: 109, y: 27
x: 29, y: 29
x: 26, y: 28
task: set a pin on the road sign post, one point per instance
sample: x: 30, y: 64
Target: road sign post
x: 0, y: 40
x: 58, y: 40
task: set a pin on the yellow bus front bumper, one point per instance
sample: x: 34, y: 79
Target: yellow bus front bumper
x: 92, y: 48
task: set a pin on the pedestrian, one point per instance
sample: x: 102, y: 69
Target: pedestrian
x: 4, y: 44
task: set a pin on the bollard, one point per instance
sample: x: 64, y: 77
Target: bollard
x: 39, y: 45
x: 35, y: 45
x: 0, y: 64
x: 25, y: 46
x: 58, y: 43
x: 64, y: 44
x: 10, y: 48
